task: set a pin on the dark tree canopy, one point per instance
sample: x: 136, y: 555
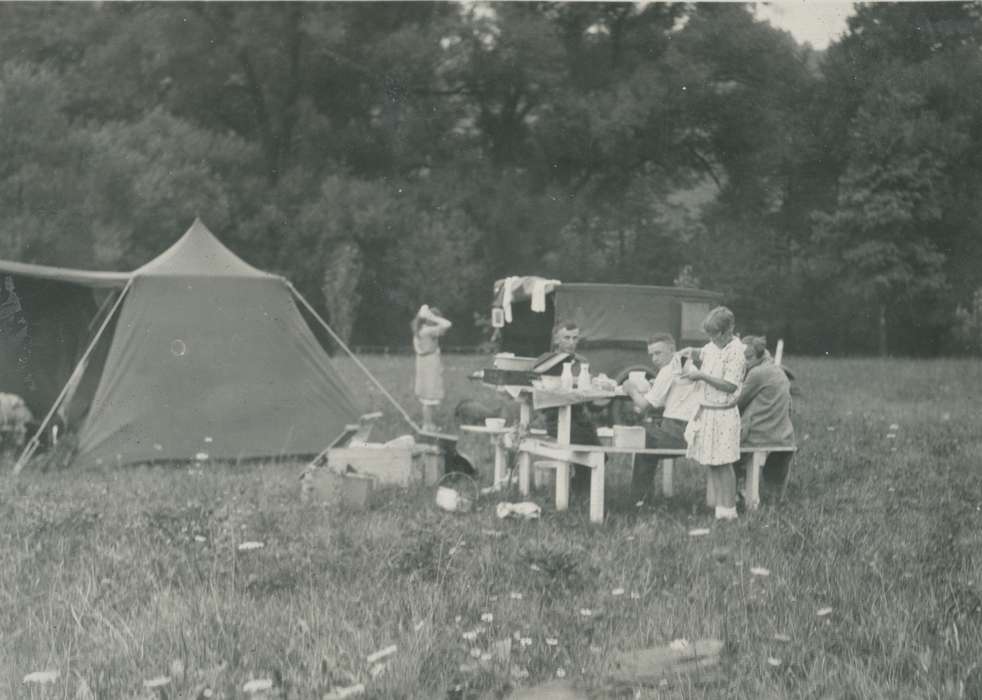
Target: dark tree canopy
x: 386, y: 154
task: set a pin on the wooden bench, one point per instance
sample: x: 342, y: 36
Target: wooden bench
x: 594, y: 457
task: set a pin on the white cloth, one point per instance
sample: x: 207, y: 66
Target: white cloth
x: 541, y: 287
x: 713, y: 434
x: 506, y: 295
x: 679, y: 396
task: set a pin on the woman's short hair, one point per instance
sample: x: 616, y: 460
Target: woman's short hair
x: 757, y: 344
x: 719, y: 320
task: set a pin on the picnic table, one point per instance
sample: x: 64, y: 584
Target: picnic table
x: 560, y: 453
x: 532, y: 443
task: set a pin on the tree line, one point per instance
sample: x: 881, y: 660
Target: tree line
x: 382, y: 155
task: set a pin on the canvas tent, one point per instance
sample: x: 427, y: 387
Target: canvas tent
x: 203, y: 355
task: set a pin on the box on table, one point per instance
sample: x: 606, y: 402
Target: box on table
x: 629, y: 436
x: 398, y: 465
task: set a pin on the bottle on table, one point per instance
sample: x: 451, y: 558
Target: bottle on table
x: 566, y: 379
x: 583, y: 380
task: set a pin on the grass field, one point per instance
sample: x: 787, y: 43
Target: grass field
x: 116, y: 578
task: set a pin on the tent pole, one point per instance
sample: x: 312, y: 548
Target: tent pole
x: 102, y: 307
x: 96, y: 320
x: 33, y: 443
x: 358, y: 362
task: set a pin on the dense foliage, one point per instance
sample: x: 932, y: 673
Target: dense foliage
x: 385, y: 154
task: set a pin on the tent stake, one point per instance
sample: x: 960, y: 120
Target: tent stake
x: 358, y: 362
x: 33, y: 443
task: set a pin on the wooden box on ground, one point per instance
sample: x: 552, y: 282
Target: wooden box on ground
x: 324, y: 486
x: 402, y: 466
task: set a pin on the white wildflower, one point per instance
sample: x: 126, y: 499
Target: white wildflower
x: 41, y: 677
x: 257, y: 686
x: 381, y: 654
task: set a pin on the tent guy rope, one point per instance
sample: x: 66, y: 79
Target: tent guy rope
x: 358, y: 362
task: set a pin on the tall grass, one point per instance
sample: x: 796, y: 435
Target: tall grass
x: 113, y: 578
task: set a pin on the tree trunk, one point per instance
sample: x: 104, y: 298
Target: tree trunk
x: 882, y: 339
x: 342, y: 273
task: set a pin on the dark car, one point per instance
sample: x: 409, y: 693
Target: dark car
x: 615, y: 320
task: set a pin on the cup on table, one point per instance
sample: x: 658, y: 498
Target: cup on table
x: 495, y: 423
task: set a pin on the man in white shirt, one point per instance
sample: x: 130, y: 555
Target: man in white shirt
x: 671, y: 392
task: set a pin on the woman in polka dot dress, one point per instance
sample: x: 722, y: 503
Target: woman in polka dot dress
x: 713, y: 435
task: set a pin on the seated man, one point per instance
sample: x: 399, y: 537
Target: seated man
x: 15, y: 417
x: 671, y: 391
x: 583, y: 430
x: 765, y: 410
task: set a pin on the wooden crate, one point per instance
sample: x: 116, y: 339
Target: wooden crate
x: 401, y: 466
x: 326, y: 487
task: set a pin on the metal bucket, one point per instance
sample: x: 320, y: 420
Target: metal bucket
x: 455, y: 500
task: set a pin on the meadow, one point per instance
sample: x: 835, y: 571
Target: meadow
x: 117, y: 578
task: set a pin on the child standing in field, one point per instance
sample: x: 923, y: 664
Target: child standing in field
x: 713, y: 434
x: 428, y: 325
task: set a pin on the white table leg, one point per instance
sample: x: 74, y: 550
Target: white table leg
x: 499, y: 460
x: 667, y: 469
x: 564, y: 425
x: 564, y: 429
x: 524, y: 458
x: 525, y: 414
x: 753, y: 480
x: 597, y: 488
x: 562, y: 486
